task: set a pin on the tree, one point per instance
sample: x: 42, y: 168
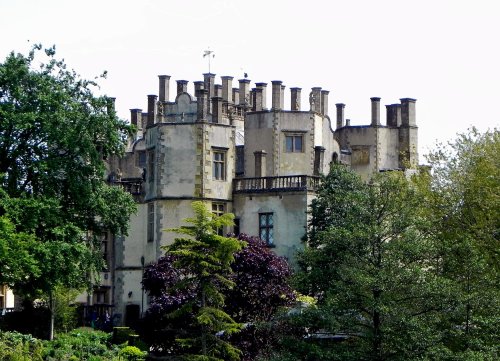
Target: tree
x: 54, y: 135
x: 261, y: 289
x: 205, y: 260
x: 463, y: 201
x: 370, y: 265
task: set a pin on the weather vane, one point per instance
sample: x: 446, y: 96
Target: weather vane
x: 210, y: 54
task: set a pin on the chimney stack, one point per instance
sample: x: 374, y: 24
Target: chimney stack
x: 257, y: 103
x: 244, y: 92
x: 164, y: 87
x: 236, y: 96
x: 218, y: 90
x: 202, y: 104
x: 408, y: 114
x: 315, y: 99
x: 340, y: 115
x: 276, y: 95
x: 227, y: 85
x: 135, y: 117
x: 151, y: 110
x: 324, y: 102
x: 198, y: 85
x: 216, y: 109
x: 263, y: 86
x: 375, y: 111
x: 182, y: 86
x: 209, y: 80
x: 295, y: 99
x: 393, y: 115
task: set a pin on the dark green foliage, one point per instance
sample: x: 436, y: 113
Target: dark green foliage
x: 15, y: 346
x: 54, y: 135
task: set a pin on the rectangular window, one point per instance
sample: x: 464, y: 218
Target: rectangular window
x: 219, y: 165
x: 218, y: 210
x: 236, y: 229
x: 151, y: 222
x: 150, y: 172
x: 104, y: 249
x: 294, y: 143
x: 266, y: 228
x: 141, y: 159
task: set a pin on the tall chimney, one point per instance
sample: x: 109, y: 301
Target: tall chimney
x: 209, y: 80
x: 198, y: 85
x: 408, y: 114
x: 282, y: 97
x: 236, y: 96
x: 227, y: 85
x: 135, y: 118
x: 324, y: 102
x: 218, y: 90
x: 151, y: 110
x: 375, y: 111
x: 340, y: 115
x: 393, y: 115
x: 276, y: 95
x: 182, y: 86
x: 244, y: 92
x: 164, y: 87
x: 202, y: 104
x: 263, y: 86
x: 257, y: 99
x: 315, y: 99
x: 216, y: 109
x: 295, y: 99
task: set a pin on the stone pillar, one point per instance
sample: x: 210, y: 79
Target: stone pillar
x: 340, y: 115
x: 324, y: 102
x: 216, y: 109
x: 393, y: 115
x: 202, y: 104
x: 295, y: 99
x: 319, y: 155
x: 227, y: 85
x: 375, y: 111
x: 408, y: 114
x: 315, y: 99
x: 135, y: 117
x: 276, y: 94
x: 244, y: 92
x: 260, y: 163
x: 164, y: 87
x: 263, y: 86
x: 236, y: 96
x: 151, y: 110
x: 198, y: 85
x: 209, y: 80
x: 218, y: 90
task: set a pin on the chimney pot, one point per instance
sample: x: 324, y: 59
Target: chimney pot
x: 164, y: 87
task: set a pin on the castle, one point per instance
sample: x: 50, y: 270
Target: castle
x: 227, y: 147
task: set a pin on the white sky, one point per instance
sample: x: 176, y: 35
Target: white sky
x: 444, y: 53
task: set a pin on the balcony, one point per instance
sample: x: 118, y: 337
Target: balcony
x: 276, y: 184
x: 130, y: 185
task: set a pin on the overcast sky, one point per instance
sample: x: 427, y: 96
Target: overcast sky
x: 444, y: 53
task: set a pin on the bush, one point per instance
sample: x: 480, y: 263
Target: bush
x: 132, y: 353
x: 15, y: 346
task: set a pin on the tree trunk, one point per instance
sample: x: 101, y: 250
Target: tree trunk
x: 51, y: 310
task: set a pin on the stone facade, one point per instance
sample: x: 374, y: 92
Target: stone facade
x: 224, y: 146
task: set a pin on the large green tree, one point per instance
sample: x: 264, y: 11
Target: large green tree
x: 370, y: 263
x: 463, y: 200
x: 54, y: 136
x: 204, y: 260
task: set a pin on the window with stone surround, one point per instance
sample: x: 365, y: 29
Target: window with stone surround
x: 150, y: 172
x: 151, y: 222
x: 266, y: 228
x: 294, y: 143
x: 219, y: 164
x: 218, y: 210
